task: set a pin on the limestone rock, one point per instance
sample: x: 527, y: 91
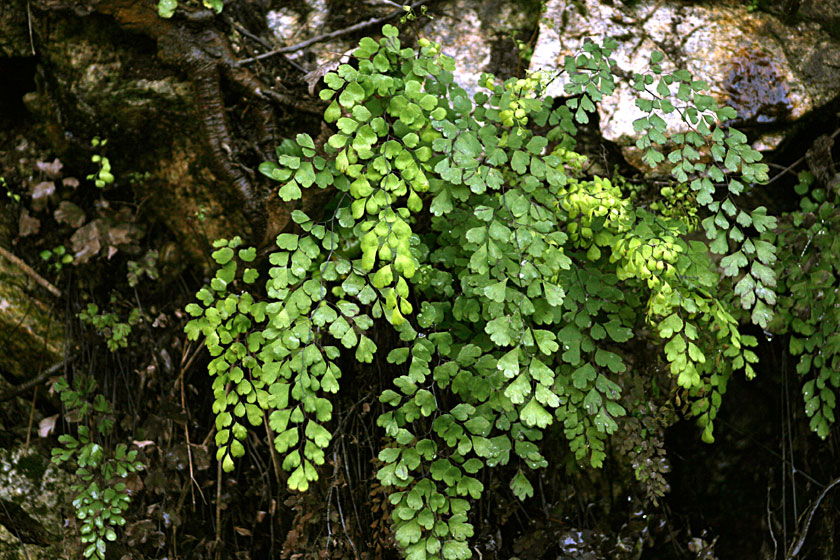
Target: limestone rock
x: 478, y: 35
x: 770, y: 72
x: 32, y: 493
x: 31, y: 326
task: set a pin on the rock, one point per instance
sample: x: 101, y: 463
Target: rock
x: 290, y: 26
x: 771, y: 73
x: 32, y: 494
x: 14, y: 29
x: 30, y: 325
x: 118, y: 90
x: 478, y: 35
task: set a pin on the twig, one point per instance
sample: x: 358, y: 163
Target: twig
x: 23, y: 387
x: 331, y: 35
x: 218, y: 541
x: 31, y: 419
x: 272, y: 451
x: 29, y: 24
x: 30, y: 272
x: 770, y: 524
x: 790, y: 167
x: 184, y: 351
x: 796, y: 547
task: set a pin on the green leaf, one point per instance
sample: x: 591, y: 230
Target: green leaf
x: 290, y: 191
x: 521, y: 486
x: 496, y: 292
x: 351, y: 95
x: 519, y: 162
x: 583, y: 376
x: 671, y: 324
x: 509, y: 364
x: 166, y: 8
x: 533, y: 414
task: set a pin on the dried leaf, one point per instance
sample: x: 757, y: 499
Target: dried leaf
x: 27, y: 225
x: 71, y: 182
x: 200, y: 457
x: 86, y: 242
x: 47, y: 425
x: 50, y: 169
x: 312, y: 78
x: 40, y: 193
x: 134, y: 483
x: 120, y: 234
x: 70, y: 214
x: 243, y: 531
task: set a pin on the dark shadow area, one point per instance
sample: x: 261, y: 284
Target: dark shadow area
x: 18, y: 78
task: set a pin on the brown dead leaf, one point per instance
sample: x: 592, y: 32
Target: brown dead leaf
x: 70, y: 214
x: 47, y: 425
x: 86, y: 242
x: 133, y: 483
x: 71, y: 182
x: 50, y: 169
x: 200, y: 456
x: 120, y: 234
x: 27, y: 225
x: 41, y: 192
x: 243, y: 531
x: 312, y: 78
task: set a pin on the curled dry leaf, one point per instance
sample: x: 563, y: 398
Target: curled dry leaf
x: 47, y: 425
x: 50, y: 169
x: 27, y: 225
x: 312, y: 78
x: 41, y: 192
x: 70, y: 214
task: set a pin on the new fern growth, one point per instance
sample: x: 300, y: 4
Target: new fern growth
x: 517, y: 300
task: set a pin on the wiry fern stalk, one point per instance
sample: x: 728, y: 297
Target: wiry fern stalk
x: 513, y: 307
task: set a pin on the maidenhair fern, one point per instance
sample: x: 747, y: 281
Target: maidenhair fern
x: 809, y: 267
x: 515, y: 284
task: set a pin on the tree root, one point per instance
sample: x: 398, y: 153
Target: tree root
x: 192, y: 45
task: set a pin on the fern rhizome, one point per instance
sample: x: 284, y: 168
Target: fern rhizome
x: 515, y: 284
